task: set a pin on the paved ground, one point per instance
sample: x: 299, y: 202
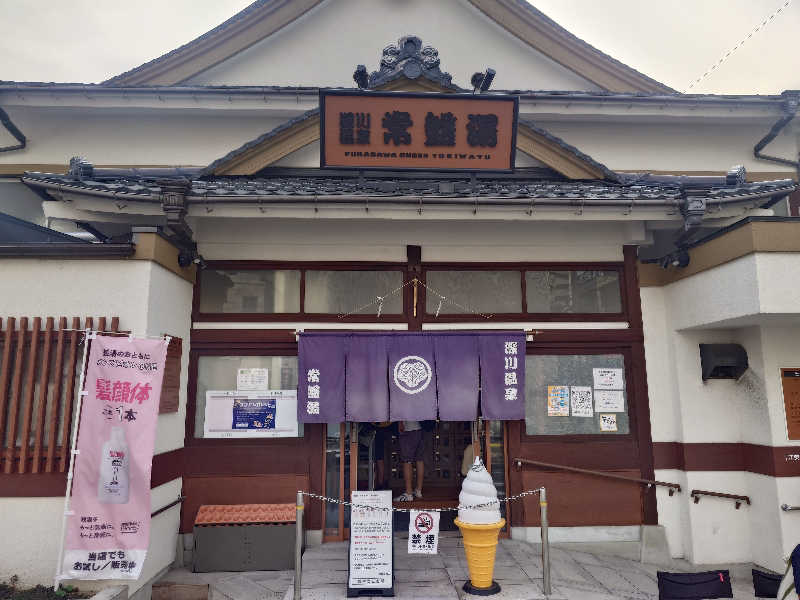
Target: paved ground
x: 575, y: 575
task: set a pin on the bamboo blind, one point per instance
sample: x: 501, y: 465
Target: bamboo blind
x: 38, y: 379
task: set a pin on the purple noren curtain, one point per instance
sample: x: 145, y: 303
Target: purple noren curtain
x: 411, y: 376
x: 457, y: 377
x: 320, y: 379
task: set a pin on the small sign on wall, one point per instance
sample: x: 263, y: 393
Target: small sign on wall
x: 790, y: 381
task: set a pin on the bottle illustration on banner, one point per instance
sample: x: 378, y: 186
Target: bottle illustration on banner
x: 112, y: 487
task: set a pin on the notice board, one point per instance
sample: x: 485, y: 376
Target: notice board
x: 371, y: 553
x: 790, y: 381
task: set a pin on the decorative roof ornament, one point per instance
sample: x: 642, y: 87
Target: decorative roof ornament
x: 409, y: 58
x: 80, y: 168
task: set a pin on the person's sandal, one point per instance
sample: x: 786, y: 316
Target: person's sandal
x: 404, y: 497
x: 417, y: 493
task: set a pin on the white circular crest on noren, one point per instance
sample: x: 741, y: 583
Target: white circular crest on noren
x: 412, y: 374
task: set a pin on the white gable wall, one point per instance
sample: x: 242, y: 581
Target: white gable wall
x: 323, y: 47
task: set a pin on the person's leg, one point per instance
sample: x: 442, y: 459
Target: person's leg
x: 407, y: 477
x: 407, y: 458
x: 419, y: 456
x: 420, y: 476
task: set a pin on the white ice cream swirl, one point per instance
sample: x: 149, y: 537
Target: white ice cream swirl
x: 478, y: 488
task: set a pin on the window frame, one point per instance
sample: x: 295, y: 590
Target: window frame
x: 409, y: 272
x: 522, y: 268
x: 631, y: 398
x: 302, y: 315
x: 263, y: 349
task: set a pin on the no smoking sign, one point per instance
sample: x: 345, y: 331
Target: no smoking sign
x: 423, y: 532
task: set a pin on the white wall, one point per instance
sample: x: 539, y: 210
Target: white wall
x: 150, y: 300
x: 324, y: 46
x: 683, y: 408
x: 272, y: 239
x: 18, y: 200
x: 173, y: 134
x: 30, y: 528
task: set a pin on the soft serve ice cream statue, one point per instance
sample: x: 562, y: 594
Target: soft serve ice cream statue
x: 478, y: 503
x: 480, y: 523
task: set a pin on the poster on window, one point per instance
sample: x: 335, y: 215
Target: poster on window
x: 608, y: 422
x: 608, y: 379
x: 108, y: 526
x: 234, y: 414
x: 252, y: 380
x: 609, y: 401
x: 557, y: 400
x: 581, y: 401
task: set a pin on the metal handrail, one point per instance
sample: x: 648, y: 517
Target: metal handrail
x: 168, y: 506
x: 672, y: 487
x: 735, y: 497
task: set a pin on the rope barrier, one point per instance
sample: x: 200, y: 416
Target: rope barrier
x: 493, y: 503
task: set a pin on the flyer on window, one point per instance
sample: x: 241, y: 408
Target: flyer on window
x: 557, y: 400
x: 234, y: 414
x: 581, y: 401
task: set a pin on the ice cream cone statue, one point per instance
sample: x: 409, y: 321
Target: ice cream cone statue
x: 480, y: 523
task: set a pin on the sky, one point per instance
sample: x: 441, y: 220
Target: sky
x: 673, y: 41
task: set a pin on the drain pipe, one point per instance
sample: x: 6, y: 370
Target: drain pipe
x: 13, y: 130
x: 790, y: 106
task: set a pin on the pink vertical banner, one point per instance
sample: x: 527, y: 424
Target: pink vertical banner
x: 108, y: 529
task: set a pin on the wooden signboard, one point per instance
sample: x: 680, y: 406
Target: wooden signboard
x: 790, y: 380
x: 404, y: 131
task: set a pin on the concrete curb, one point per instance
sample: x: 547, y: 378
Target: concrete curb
x: 115, y: 592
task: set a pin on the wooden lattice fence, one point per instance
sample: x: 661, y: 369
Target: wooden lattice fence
x: 39, y: 373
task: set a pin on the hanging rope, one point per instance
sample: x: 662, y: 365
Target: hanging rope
x: 741, y: 43
x: 380, y: 300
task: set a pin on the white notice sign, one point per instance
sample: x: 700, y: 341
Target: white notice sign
x: 581, y: 401
x: 608, y: 379
x: 423, y: 532
x: 609, y: 401
x: 370, y: 556
x: 230, y: 414
x: 252, y: 380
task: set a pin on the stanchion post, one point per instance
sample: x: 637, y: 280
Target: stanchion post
x: 545, y: 542
x: 298, y: 546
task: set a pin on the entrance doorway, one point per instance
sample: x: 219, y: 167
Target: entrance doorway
x: 350, y: 463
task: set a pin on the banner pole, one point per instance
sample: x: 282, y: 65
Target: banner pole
x: 71, y: 448
x: 298, y: 547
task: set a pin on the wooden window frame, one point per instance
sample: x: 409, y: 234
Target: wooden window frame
x: 267, y: 349
x: 588, y: 348
x: 522, y: 268
x: 407, y: 314
x: 301, y: 316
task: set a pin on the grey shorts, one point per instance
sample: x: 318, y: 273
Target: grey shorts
x: 412, y: 446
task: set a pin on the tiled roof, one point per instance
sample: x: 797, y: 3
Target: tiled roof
x: 322, y: 186
x: 238, y: 514
x: 289, y: 89
x: 608, y: 173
